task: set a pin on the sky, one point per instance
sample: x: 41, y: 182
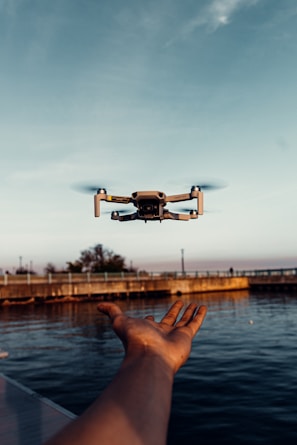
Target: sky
x: 156, y: 95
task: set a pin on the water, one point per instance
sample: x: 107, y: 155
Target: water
x: 238, y: 387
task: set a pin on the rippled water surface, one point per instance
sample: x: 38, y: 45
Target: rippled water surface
x: 238, y: 387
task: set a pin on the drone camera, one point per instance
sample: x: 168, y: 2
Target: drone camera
x: 148, y: 207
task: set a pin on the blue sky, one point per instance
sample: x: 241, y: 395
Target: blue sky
x: 149, y: 94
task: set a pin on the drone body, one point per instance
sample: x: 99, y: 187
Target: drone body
x: 150, y: 205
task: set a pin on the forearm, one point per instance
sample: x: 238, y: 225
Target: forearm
x: 134, y: 409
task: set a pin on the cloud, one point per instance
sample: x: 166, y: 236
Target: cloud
x: 216, y: 14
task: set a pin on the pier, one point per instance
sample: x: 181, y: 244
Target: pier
x: 66, y: 287
x: 58, y: 287
x: 274, y: 280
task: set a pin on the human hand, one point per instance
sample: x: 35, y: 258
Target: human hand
x: 170, y: 339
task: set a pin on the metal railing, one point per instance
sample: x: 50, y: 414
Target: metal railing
x: 87, y: 277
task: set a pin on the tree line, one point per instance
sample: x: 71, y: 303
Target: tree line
x: 96, y: 259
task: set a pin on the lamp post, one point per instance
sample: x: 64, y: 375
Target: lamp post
x: 182, y: 262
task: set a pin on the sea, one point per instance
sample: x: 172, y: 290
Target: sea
x: 239, y: 385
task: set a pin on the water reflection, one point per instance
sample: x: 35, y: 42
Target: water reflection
x: 238, y: 386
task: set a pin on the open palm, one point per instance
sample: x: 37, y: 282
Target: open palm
x: 170, y: 339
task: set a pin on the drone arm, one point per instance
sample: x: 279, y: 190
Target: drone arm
x: 195, y: 194
x: 118, y: 199
x: 109, y: 198
x: 200, y: 203
x: 180, y: 216
x: 97, y: 198
x: 130, y: 217
x: 179, y: 198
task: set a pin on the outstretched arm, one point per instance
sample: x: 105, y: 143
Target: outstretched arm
x: 134, y: 409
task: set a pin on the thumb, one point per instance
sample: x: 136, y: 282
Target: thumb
x: 112, y: 310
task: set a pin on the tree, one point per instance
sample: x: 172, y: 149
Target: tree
x: 50, y: 268
x: 74, y: 267
x: 98, y: 259
x: 24, y: 270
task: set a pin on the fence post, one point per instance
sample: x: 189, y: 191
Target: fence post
x: 69, y: 278
x: 105, y: 276
x: 5, y: 279
x: 28, y: 278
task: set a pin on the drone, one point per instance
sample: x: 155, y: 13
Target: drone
x: 151, y: 205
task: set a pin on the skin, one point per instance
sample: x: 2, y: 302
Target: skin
x: 135, y: 408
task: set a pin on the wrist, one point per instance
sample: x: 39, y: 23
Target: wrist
x: 147, y: 357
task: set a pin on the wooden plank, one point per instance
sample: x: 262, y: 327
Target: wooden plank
x: 26, y: 418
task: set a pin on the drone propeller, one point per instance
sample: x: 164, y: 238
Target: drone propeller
x: 185, y: 209
x: 120, y: 212
x: 189, y: 210
x: 87, y: 188
x: 209, y: 186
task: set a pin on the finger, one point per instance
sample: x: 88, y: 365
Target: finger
x: 110, y: 309
x: 171, y: 316
x: 195, y: 324
x: 187, y: 315
x: 149, y: 317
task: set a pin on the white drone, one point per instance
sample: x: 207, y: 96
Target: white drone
x: 150, y: 205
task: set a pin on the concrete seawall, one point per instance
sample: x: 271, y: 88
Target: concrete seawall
x: 45, y: 291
